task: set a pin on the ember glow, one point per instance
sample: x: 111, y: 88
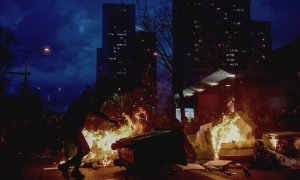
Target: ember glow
x: 226, y: 132
x: 273, y: 141
x: 100, y: 141
x: 141, y: 114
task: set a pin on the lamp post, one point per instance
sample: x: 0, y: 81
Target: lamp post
x: 49, y: 93
x: 26, y: 54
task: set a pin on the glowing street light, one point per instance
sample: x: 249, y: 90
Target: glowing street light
x: 26, y: 53
x: 231, y: 75
x: 46, y: 49
x: 213, y: 83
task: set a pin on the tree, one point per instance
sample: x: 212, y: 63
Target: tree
x: 158, y: 19
x: 6, y: 56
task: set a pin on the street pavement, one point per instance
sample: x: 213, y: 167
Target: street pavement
x: 48, y: 171
x: 45, y: 168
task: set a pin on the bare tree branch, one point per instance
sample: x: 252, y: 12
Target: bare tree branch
x: 158, y: 19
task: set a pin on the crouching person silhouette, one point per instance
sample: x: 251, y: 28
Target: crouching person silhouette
x: 72, y: 125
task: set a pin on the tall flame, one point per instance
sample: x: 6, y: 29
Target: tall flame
x: 273, y: 141
x: 100, y: 141
x: 227, y: 131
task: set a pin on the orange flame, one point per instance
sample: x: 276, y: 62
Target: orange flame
x: 141, y: 114
x: 100, y: 141
x: 226, y: 132
x: 273, y: 141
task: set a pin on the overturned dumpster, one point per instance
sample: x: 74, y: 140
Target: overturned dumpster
x: 152, y: 150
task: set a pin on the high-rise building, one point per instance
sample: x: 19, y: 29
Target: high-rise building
x: 101, y: 70
x: 116, y: 56
x: 236, y: 23
x: 126, y: 63
x: 261, y: 43
x: 211, y: 34
x: 146, y: 67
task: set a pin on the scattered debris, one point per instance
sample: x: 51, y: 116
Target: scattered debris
x: 192, y: 166
x: 268, y: 155
x: 217, y: 163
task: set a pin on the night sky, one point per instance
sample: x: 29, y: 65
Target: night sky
x: 72, y: 29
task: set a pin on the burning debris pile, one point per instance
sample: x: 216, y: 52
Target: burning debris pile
x: 233, y: 131
x: 278, y: 148
x: 100, y: 141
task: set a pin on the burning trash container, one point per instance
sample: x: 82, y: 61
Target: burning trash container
x: 152, y: 150
x: 278, y: 148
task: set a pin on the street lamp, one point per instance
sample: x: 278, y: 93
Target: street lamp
x: 49, y: 93
x: 26, y: 53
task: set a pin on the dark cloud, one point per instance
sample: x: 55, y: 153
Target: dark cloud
x: 72, y: 28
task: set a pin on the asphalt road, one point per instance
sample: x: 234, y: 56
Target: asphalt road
x: 48, y: 171
x: 45, y: 168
